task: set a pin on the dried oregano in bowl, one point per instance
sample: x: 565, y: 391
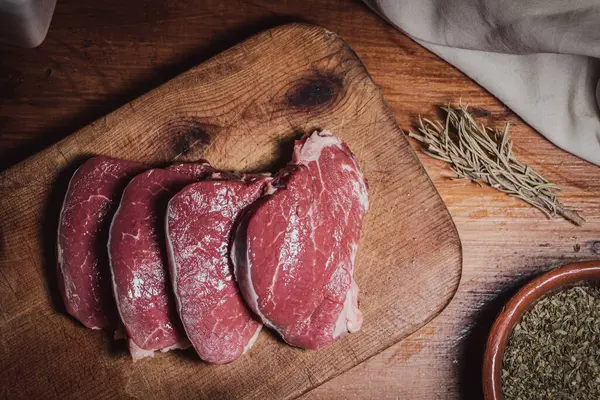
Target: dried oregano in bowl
x: 554, y: 351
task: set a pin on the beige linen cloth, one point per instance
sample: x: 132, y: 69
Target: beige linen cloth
x: 540, y: 57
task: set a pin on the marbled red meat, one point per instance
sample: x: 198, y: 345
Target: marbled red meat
x: 199, y: 223
x: 139, y: 263
x: 294, y: 252
x: 198, y: 170
x: 83, y: 272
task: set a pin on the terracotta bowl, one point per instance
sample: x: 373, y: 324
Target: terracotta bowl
x: 557, y: 278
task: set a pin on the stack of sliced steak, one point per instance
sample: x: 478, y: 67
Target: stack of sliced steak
x: 189, y: 255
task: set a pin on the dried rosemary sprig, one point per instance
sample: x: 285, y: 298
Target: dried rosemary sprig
x: 481, y: 154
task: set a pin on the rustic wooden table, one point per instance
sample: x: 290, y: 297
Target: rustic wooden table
x: 100, y: 55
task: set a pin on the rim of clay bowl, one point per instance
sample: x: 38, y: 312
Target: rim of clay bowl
x: 510, y: 315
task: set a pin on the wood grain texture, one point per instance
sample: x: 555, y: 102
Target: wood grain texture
x: 241, y: 110
x: 100, y: 55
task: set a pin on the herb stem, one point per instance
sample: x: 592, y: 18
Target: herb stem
x: 480, y: 154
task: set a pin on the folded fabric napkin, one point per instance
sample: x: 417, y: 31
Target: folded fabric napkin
x: 540, y: 57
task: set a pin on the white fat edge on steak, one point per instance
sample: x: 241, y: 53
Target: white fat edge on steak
x: 253, y: 339
x: 350, y: 317
x: 313, y: 146
x: 137, y: 353
x: 181, y: 344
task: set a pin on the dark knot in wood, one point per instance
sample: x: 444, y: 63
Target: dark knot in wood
x: 314, y: 91
x: 189, y: 134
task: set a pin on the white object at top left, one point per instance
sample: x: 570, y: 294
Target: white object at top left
x: 25, y: 23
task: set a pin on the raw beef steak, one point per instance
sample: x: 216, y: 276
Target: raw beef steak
x: 199, y: 224
x: 198, y: 170
x: 294, y: 253
x: 139, y: 263
x: 83, y: 272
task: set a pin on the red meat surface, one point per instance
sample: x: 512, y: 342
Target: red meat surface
x: 138, y: 259
x: 199, y: 225
x: 294, y: 252
x: 83, y: 269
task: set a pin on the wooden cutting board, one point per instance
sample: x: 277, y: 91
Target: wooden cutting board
x: 240, y: 110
